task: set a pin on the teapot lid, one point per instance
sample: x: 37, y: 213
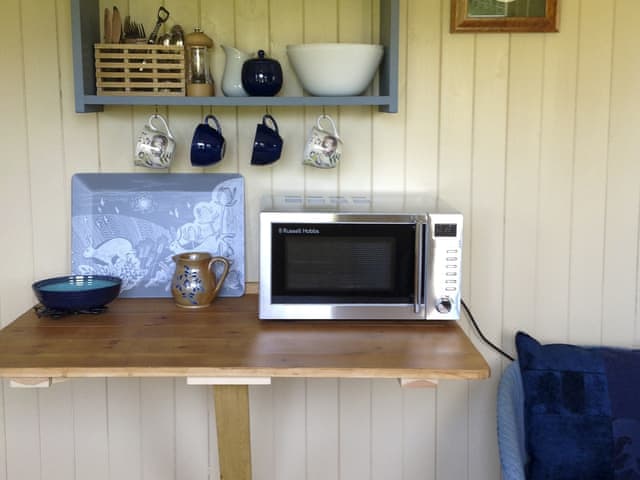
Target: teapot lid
x: 198, y: 38
x: 262, y: 58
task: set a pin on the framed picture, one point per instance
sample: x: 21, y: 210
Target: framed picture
x: 504, y: 16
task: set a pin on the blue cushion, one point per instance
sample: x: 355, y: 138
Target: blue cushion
x: 582, y: 414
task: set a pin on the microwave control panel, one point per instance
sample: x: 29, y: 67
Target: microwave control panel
x: 444, y: 277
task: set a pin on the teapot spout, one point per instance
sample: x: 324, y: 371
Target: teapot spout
x: 232, y: 77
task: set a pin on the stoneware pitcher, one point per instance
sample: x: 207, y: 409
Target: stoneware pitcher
x: 232, y: 77
x: 194, y: 283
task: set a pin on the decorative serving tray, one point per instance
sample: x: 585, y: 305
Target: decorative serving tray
x: 130, y: 225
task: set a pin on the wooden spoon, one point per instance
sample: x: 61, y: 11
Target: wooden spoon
x: 107, y: 25
x: 116, y: 26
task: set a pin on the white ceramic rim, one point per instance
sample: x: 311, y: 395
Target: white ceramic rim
x: 331, y: 44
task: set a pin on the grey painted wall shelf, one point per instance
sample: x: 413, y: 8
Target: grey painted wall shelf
x: 85, y: 22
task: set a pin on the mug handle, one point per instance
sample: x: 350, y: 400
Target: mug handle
x: 215, y: 120
x: 223, y: 275
x: 273, y: 122
x: 157, y: 116
x: 333, y: 125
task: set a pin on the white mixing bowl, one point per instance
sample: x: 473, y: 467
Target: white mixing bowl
x: 335, y: 69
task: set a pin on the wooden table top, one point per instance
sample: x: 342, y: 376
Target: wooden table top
x: 154, y: 338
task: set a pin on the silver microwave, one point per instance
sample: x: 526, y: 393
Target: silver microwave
x: 337, y: 262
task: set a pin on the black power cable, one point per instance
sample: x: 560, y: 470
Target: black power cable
x: 485, y: 339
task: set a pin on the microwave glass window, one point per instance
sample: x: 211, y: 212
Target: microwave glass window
x: 340, y: 264
x: 343, y: 263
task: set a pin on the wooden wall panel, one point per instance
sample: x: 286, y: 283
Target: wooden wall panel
x: 590, y: 169
x: 532, y: 136
x: 556, y: 172
x: 620, y: 288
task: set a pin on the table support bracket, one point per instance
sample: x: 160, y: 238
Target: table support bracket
x: 234, y: 436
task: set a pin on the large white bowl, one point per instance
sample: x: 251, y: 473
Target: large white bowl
x: 335, y: 69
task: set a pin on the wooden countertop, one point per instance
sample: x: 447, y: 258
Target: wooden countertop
x: 154, y: 338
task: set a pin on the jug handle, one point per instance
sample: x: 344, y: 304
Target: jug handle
x: 157, y: 116
x: 225, y: 271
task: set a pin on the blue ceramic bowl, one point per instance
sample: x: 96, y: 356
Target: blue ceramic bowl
x: 77, y: 292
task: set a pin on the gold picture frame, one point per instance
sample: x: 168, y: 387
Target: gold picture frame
x: 504, y: 16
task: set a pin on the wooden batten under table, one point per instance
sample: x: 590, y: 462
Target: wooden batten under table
x: 226, y: 345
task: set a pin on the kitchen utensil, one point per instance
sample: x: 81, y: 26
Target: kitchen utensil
x: 262, y: 76
x: 163, y: 15
x: 232, y: 77
x: 199, y: 78
x: 133, y: 33
x: 267, y: 144
x: 208, y: 144
x: 77, y: 292
x: 335, y: 69
x: 107, y: 21
x: 194, y: 283
x: 155, y: 147
x: 177, y: 35
x: 116, y: 26
x: 324, y: 147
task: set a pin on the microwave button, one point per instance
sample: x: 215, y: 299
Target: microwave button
x: 443, y: 305
x: 451, y: 266
x: 450, y: 289
x: 451, y: 274
x: 452, y: 259
x: 452, y: 251
x: 450, y: 281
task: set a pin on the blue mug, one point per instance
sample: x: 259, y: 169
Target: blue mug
x: 267, y: 144
x: 208, y: 145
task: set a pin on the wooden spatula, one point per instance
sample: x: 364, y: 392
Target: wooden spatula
x: 116, y: 26
x: 107, y: 25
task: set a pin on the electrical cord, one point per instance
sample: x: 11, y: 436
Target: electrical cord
x: 485, y: 339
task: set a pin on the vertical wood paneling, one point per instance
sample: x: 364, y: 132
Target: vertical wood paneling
x: 623, y: 170
x: 22, y: 440
x: 322, y: 429
x: 192, y: 432
x: 290, y: 450
x: 526, y: 58
x: 355, y: 428
x: 158, y: 429
x: 419, y: 434
x: 56, y: 432
x: 590, y: 170
x: 386, y: 430
x: 124, y: 422
x: 262, y: 432
x: 423, y: 96
x: 90, y: 425
x: 556, y: 171
x: 15, y: 182
x: 531, y: 136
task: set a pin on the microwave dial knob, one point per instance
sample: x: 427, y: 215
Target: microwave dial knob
x: 443, y: 305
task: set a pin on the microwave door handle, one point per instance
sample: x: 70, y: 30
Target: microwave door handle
x: 418, y: 273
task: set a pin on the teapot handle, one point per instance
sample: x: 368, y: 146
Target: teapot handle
x: 157, y: 116
x: 224, y: 274
x: 333, y: 125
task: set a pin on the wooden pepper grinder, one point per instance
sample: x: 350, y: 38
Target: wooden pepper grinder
x: 199, y: 80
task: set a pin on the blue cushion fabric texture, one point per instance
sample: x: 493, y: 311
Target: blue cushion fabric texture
x: 581, y: 409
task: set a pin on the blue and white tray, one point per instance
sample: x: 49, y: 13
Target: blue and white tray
x: 130, y: 225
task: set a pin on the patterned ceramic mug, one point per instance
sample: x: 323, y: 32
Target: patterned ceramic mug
x: 155, y: 146
x: 324, y: 147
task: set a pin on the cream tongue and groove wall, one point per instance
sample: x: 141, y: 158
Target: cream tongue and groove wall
x: 533, y: 136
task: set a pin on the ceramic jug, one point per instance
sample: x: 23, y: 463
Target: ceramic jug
x: 232, y: 77
x: 194, y: 283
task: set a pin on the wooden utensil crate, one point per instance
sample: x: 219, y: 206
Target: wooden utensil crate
x: 139, y: 69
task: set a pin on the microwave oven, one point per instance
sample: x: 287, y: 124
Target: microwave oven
x: 350, y: 259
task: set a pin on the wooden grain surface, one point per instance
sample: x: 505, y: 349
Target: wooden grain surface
x: 153, y: 337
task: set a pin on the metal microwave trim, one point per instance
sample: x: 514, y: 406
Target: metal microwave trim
x: 429, y: 298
